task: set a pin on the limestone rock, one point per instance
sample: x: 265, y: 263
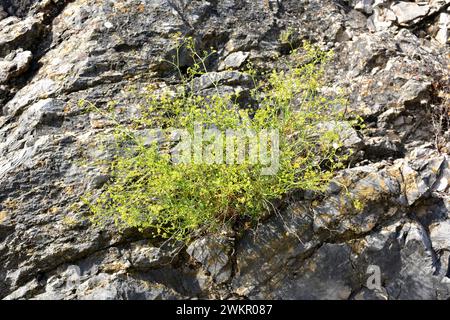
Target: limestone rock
x: 276, y: 245
x: 411, y: 275
x: 365, y: 6
x: 14, y: 64
x: 409, y: 12
x: 16, y: 33
x: 213, y: 253
x: 312, y: 280
x: 234, y: 60
x: 439, y: 234
x: 444, y: 26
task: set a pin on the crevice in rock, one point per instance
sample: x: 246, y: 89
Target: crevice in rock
x: 39, y: 47
x: 18, y: 8
x: 427, y: 21
x: 379, y: 153
x: 43, y: 270
x: 343, y: 4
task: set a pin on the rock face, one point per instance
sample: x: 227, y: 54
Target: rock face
x: 15, y: 64
x: 381, y: 231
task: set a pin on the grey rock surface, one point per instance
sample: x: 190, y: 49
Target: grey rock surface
x: 408, y: 12
x: 389, y: 209
x: 14, y: 64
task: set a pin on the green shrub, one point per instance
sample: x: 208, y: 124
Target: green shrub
x: 181, y: 200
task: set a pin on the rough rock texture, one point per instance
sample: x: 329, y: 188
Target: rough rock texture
x: 388, y: 209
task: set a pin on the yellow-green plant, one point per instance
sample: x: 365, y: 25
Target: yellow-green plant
x: 180, y: 200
